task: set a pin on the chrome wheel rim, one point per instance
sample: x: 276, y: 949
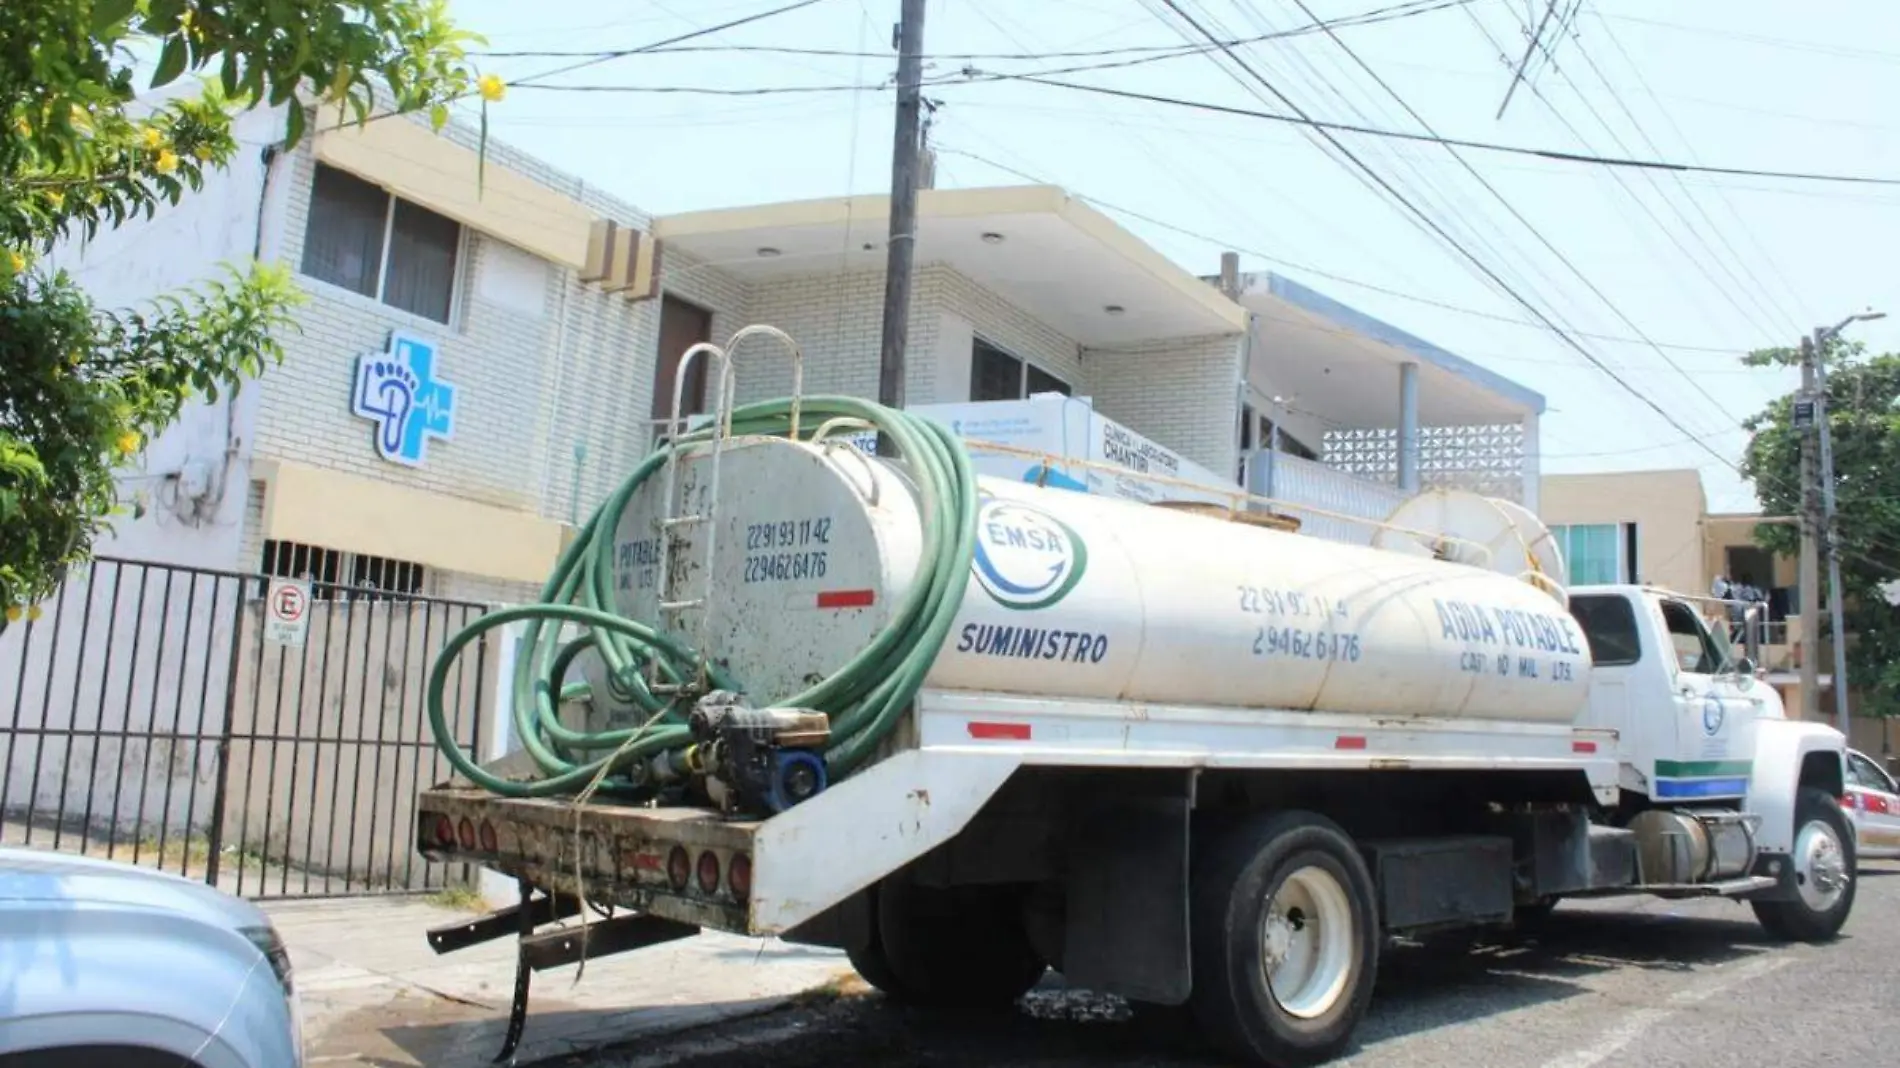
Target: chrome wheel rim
x: 1820, y: 866
x: 1306, y: 941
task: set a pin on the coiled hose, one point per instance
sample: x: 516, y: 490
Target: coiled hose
x: 864, y: 699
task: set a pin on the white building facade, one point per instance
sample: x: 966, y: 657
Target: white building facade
x: 474, y: 371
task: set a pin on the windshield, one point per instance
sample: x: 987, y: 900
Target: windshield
x: 1696, y: 648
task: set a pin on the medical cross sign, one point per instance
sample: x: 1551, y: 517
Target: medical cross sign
x: 397, y: 390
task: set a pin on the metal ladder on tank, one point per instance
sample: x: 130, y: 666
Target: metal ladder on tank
x: 673, y: 523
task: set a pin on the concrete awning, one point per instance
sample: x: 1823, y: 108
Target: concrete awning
x: 1049, y: 253
x: 1344, y: 364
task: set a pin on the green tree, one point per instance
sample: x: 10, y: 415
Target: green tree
x: 1863, y: 405
x: 82, y: 388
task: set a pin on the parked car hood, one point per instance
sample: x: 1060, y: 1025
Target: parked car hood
x: 33, y: 875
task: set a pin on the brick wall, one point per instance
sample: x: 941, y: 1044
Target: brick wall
x: 1003, y: 324
x: 1180, y: 393
x: 838, y: 322
x: 478, y: 589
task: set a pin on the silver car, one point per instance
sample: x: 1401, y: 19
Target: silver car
x: 104, y: 963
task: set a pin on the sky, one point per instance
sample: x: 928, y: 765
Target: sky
x: 1665, y: 278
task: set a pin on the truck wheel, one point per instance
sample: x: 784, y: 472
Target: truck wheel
x: 959, y: 948
x: 1285, y: 939
x: 1824, y: 859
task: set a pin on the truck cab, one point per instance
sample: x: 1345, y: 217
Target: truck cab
x: 1684, y: 701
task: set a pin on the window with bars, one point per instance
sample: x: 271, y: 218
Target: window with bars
x: 364, y: 240
x: 337, y: 575
x: 997, y: 375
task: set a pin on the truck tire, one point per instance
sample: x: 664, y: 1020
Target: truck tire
x: 962, y: 948
x: 1285, y: 937
x: 1824, y: 861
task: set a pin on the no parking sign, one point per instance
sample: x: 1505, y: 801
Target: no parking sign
x: 286, y: 612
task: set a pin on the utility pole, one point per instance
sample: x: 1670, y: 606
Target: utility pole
x: 902, y: 246
x: 1808, y: 577
x: 1817, y: 523
x: 1835, y: 610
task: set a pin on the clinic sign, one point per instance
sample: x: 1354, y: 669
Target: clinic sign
x: 399, y: 394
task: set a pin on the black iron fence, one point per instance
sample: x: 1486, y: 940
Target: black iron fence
x: 152, y: 717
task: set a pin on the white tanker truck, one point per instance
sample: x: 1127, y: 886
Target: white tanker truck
x: 970, y: 730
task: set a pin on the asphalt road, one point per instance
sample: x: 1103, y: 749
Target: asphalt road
x: 1630, y: 981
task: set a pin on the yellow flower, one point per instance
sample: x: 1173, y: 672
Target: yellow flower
x: 55, y: 197
x: 129, y: 442
x: 153, y: 138
x: 492, y: 87
x: 34, y: 613
x: 13, y: 613
x: 16, y: 261
x: 167, y: 161
x: 203, y: 152
x: 22, y: 126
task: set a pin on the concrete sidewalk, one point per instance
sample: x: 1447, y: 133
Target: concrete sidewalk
x: 375, y: 993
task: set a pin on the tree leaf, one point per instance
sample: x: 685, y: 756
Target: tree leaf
x: 107, y: 14
x: 171, y: 62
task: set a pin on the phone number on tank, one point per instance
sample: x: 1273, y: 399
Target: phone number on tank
x: 785, y: 567
x: 1306, y: 644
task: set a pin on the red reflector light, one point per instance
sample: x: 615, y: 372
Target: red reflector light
x: 1350, y: 741
x: 709, y: 872
x: 444, y: 831
x: 847, y: 599
x: 679, y: 867
x: 488, y: 838
x: 1583, y: 747
x: 739, y: 876
x: 1006, y: 732
x: 465, y: 833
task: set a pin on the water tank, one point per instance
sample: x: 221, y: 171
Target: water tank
x: 1077, y: 596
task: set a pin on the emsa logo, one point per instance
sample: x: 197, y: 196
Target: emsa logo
x: 1026, y: 558
x: 397, y: 390
x: 1712, y: 714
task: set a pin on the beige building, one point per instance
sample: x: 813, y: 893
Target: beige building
x: 1639, y: 526
x: 1654, y: 527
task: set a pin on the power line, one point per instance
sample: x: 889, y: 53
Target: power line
x: 1482, y: 146
x: 1482, y: 267
x: 1765, y: 296
x: 1318, y: 272
x: 606, y: 56
x: 1515, y: 213
x: 976, y: 76
x: 966, y: 76
x: 1366, y: 18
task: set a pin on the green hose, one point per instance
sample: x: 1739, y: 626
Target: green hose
x: 864, y: 699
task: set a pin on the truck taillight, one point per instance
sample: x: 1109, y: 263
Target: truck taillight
x: 709, y: 872
x: 679, y: 868
x: 739, y: 876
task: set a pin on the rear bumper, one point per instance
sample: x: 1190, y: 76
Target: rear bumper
x: 629, y: 857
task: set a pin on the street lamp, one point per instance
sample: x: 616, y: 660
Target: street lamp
x: 1814, y: 385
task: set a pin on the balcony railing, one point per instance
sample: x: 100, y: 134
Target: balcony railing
x: 1293, y: 482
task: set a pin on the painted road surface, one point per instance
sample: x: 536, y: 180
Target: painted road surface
x: 1634, y: 981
